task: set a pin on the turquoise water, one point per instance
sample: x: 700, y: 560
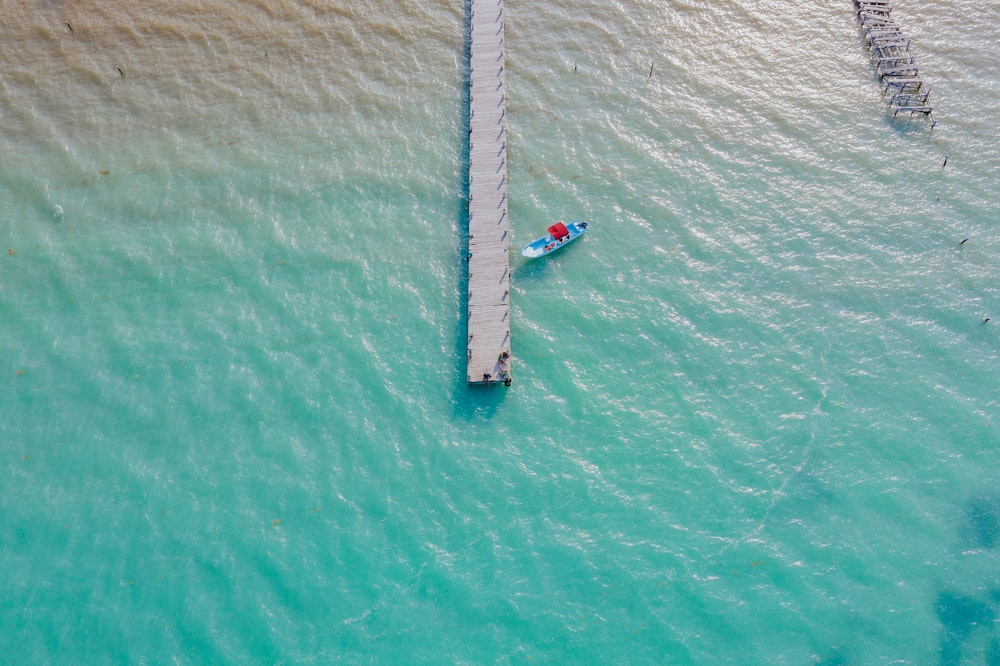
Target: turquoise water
x: 753, y: 416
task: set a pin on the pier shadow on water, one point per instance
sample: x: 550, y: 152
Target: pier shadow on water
x: 910, y: 128
x: 470, y: 401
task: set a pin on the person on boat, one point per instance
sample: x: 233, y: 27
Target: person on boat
x: 486, y: 376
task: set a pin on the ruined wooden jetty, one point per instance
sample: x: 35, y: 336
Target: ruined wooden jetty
x: 489, y: 233
x: 894, y: 64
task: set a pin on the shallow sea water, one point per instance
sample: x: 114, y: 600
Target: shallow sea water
x: 753, y: 411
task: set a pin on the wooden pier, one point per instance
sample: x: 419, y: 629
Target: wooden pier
x: 895, y: 65
x: 489, y: 359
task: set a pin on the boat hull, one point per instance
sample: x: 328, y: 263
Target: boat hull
x: 547, y: 244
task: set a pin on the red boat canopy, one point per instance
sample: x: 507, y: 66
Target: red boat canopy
x: 558, y: 230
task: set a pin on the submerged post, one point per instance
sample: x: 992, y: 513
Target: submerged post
x: 489, y: 260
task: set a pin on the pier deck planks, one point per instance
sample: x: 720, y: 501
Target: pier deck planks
x: 489, y: 232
